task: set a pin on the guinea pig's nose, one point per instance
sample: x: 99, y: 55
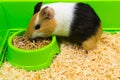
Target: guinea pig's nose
x: 27, y: 35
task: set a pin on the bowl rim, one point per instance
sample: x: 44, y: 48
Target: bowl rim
x: 10, y: 39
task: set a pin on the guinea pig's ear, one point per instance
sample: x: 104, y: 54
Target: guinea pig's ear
x: 47, y: 13
x: 37, y: 7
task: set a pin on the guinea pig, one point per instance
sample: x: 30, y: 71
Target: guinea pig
x: 78, y: 21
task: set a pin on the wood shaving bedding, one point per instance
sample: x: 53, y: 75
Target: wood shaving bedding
x: 73, y: 63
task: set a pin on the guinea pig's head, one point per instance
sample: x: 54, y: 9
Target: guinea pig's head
x: 42, y: 23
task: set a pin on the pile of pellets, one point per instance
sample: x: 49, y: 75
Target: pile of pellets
x: 23, y: 43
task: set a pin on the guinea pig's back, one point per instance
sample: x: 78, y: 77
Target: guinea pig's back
x: 62, y: 10
x: 85, y: 22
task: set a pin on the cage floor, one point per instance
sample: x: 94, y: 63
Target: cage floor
x: 73, y: 63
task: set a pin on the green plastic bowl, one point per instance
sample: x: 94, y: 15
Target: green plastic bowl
x: 31, y: 59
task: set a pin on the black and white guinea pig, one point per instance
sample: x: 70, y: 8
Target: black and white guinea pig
x: 78, y: 21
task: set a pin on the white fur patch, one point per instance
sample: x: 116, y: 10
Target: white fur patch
x: 37, y: 19
x: 63, y: 17
x: 35, y: 34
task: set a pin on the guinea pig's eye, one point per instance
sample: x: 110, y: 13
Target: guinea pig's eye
x: 37, y: 26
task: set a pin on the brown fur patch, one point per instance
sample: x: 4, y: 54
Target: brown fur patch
x: 91, y: 43
x: 31, y: 25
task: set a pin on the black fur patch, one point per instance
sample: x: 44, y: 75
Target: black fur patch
x: 37, y: 7
x: 85, y: 23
